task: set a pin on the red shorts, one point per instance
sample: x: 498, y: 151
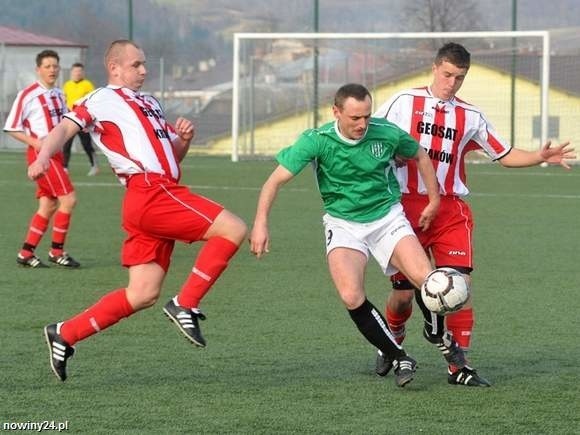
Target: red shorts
x: 156, y: 212
x: 55, y: 182
x: 449, y: 239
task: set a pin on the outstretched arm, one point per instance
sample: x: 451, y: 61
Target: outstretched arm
x: 518, y: 158
x: 50, y: 145
x: 259, y: 237
x: 432, y: 185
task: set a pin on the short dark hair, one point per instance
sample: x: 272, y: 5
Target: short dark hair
x: 455, y: 54
x: 115, y: 48
x: 77, y: 65
x: 44, y: 54
x: 354, y: 90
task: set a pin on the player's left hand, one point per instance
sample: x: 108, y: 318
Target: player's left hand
x: 428, y: 215
x: 184, y: 129
x: 558, y: 155
x: 400, y: 161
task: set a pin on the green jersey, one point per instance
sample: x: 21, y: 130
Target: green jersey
x: 356, y: 178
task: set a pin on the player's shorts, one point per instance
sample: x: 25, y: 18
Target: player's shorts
x: 377, y: 238
x: 449, y: 239
x: 55, y: 182
x: 156, y: 212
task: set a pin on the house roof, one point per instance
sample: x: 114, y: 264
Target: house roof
x: 562, y: 67
x: 12, y: 36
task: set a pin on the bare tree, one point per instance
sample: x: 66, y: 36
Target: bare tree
x: 442, y: 15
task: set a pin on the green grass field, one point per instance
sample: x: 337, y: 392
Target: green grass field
x: 283, y: 355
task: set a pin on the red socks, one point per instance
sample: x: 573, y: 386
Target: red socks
x: 461, y: 326
x: 36, y: 230
x: 60, y: 226
x: 107, y: 311
x: 397, y: 322
x: 211, y: 261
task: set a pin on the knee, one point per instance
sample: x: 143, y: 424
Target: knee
x: 352, y: 300
x: 68, y: 202
x: 239, y: 230
x: 48, y: 209
x: 401, y: 300
x: 230, y: 227
x: 143, y: 297
x: 148, y: 301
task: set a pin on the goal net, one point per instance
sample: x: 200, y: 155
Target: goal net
x: 284, y: 83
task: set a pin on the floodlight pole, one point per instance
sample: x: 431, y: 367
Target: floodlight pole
x: 130, y: 13
x: 513, y: 76
x: 315, y: 68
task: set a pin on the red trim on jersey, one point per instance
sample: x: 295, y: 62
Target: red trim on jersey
x: 171, y: 129
x: 417, y: 116
x: 112, y: 138
x: 25, y: 92
x: 148, y: 127
x: 166, y: 126
x: 470, y: 146
x: 26, y: 124
x: 47, y: 117
x: 450, y: 176
x: 495, y: 144
x: 418, y: 108
x: 83, y: 115
x: 437, y: 140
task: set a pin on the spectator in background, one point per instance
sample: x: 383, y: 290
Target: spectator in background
x: 36, y: 110
x: 74, y: 89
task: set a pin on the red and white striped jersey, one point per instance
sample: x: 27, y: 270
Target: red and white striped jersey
x: 130, y: 129
x: 447, y: 130
x: 36, y: 110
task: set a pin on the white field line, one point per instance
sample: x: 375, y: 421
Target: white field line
x: 292, y: 189
x: 196, y: 187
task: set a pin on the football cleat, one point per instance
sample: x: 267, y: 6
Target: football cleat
x: 186, y: 320
x: 405, y: 368
x: 59, y: 351
x: 64, y: 260
x: 467, y: 376
x: 31, y: 261
x: 383, y: 365
x: 93, y: 171
x: 451, y: 351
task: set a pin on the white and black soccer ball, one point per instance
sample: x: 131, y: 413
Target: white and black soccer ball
x: 444, y: 291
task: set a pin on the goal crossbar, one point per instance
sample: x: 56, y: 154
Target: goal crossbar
x: 545, y: 67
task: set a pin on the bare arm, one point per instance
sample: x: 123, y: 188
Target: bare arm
x: 431, y: 184
x: 186, y: 131
x: 259, y: 237
x: 24, y: 138
x: 50, y: 145
x: 518, y: 158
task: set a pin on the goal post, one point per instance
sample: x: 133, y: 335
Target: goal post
x: 281, y: 79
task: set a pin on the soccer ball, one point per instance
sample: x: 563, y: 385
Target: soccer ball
x: 444, y: 291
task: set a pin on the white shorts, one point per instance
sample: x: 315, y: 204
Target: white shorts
x: 377, y: 238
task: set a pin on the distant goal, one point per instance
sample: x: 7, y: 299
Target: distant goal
x: 283, y: 83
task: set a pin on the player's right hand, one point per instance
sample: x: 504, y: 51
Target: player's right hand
x: 259, y: 241
x: 37, y: 169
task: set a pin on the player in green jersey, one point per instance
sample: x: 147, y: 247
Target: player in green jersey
x: 355, y: 171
